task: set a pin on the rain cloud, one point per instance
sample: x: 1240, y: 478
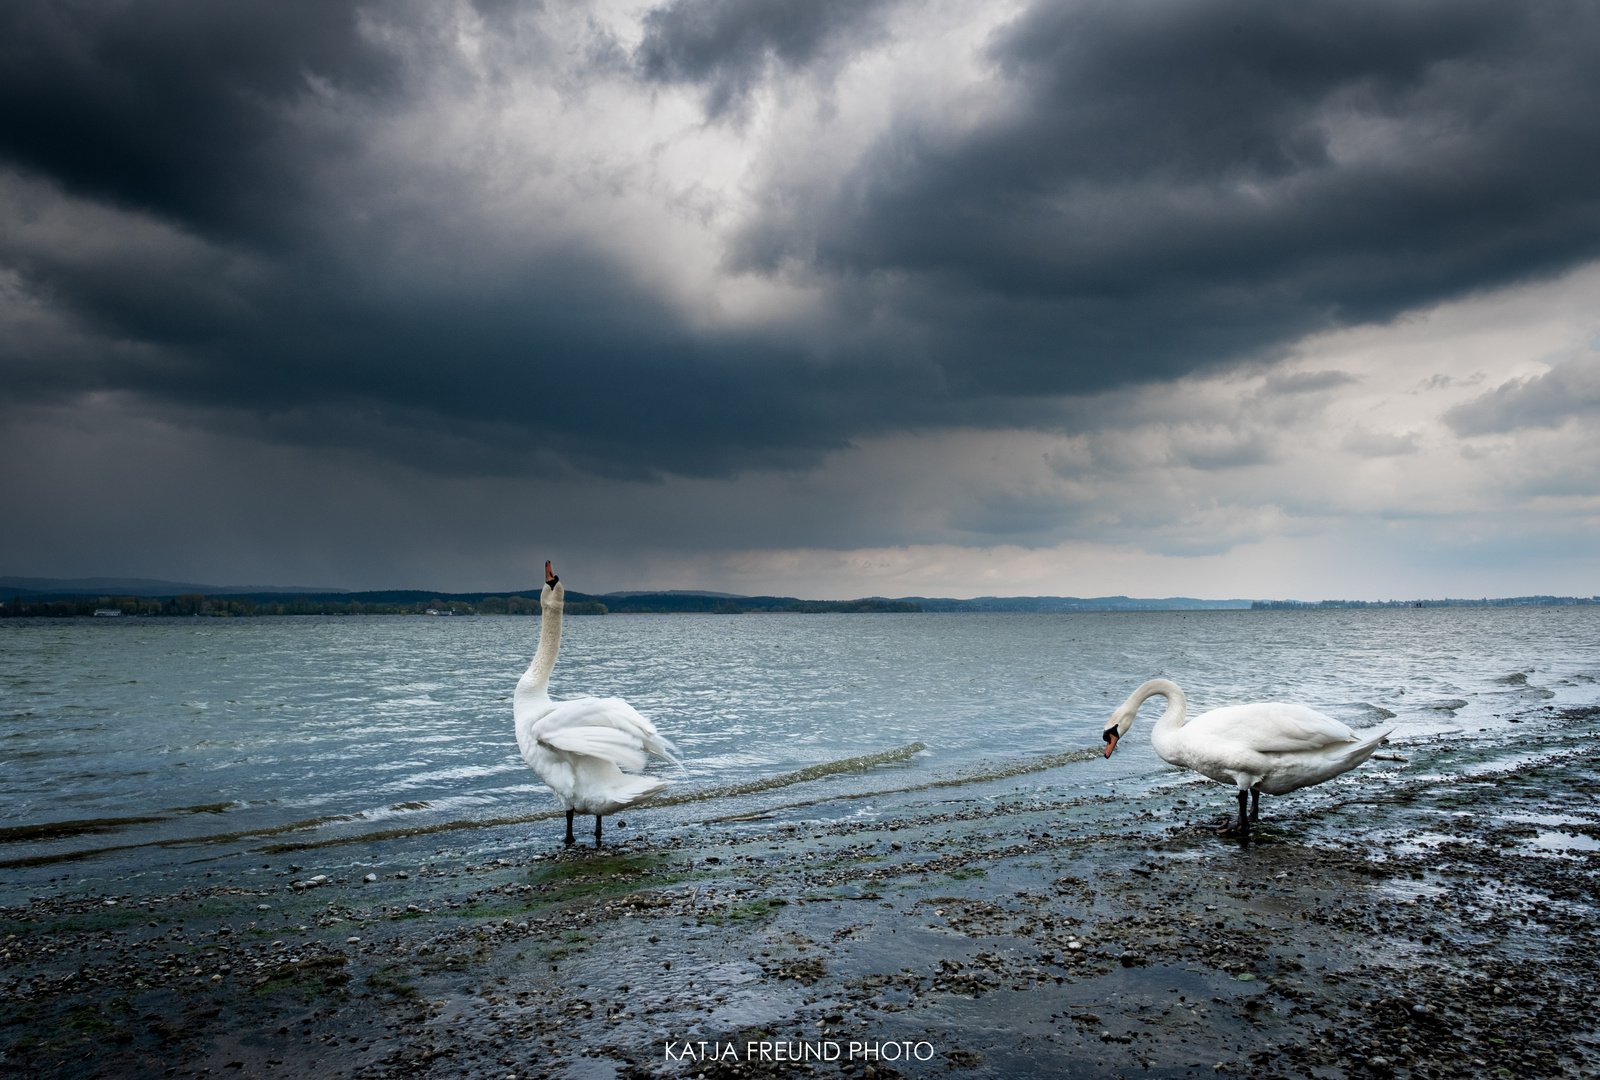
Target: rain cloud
x: 504, y: 242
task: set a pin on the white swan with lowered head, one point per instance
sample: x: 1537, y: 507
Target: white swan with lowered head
x: 1268, y: 746
x: 584, y: 748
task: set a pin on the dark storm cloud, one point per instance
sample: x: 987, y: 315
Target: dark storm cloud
x: 1570, y: 389
x: 1180, y: 183
x: 1158, y: 187
x: 727, y: 45
x: 181, y: 107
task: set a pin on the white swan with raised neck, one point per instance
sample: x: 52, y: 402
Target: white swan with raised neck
x: 585, y: 749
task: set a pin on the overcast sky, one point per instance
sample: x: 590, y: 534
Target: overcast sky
x: 819, y: 297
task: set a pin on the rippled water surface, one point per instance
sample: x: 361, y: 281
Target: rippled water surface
x: 214, y: 725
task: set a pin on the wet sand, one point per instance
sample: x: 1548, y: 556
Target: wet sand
x: 1431, y: 918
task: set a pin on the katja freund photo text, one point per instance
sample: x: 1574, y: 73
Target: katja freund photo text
x: 776, y: 1050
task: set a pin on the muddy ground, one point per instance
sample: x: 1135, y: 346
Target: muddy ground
x: 1426, y: 920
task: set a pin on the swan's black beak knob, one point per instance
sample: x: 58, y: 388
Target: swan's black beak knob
x: 1111, y: 740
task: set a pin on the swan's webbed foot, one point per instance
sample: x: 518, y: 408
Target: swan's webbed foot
x: 570, y: 838
x: 597, y: 830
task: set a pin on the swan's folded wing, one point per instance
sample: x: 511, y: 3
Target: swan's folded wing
x: 625, y: 717
x: 611, y: 713
x: 601, y: 742
x: 1276, y: 728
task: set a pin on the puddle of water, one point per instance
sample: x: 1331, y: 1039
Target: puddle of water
x: 1560, y: 841
x: 1556, y: 820
x: 1409, y: 892
x: 1431, y: 841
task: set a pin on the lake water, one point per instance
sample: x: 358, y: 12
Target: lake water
x: 231, y: 728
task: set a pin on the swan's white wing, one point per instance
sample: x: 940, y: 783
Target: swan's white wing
x: 1271, y: 728
x: 608, y: 743
x: 612, y: 713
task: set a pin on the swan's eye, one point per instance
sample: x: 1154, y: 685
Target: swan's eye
x: 1109, y: 734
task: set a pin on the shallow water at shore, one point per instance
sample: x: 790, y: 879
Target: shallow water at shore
x: 129, y: 734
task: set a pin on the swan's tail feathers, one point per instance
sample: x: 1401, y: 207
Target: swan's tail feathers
x: 1364, y: 749
x: 661, y: 748
x: 636, y: 787
x: 615, y: 746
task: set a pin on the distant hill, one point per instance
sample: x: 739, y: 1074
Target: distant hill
x: 1503, y: 601
x: 674, y: 592
x: 111, y: 586
x: 146, y: 596
x: 1074, y: 603
x: 680, y: 602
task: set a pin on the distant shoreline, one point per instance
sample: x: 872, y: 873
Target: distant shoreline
x: 70, y: 604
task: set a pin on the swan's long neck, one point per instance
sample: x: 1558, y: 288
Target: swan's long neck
x: 1171, y: 720
x: 1177, y: 709
x: 536, y: 680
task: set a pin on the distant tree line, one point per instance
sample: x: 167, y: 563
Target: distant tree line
x: 192, y: 604
x: 1504, y: 601
x: 754, y: 605
x: 420, y: 603
x: 408, y: 603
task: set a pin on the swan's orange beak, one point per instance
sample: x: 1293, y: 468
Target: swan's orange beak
x: 549, y: 574
x: 1111, y: 740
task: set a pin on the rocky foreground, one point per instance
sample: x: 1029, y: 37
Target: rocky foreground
x: 1421, y: 927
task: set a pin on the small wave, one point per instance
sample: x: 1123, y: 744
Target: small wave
x: 985, y: 772
x: 58, y: 830
x: 801, y: 776
x: 1359, y: 714
x: 457, y: 772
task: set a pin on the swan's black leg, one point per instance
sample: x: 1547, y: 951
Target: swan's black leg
x: 570, y: 838
x: 1244, y: 824
x: 1255, y: 806
x: 597, y: 830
